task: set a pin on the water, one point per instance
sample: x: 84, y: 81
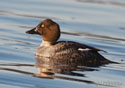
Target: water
x: 99, y: 23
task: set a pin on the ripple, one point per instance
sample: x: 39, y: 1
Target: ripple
x: 104, y: 2
x: 4, y: 12
x: 95, y: 36
x: 98, y: 23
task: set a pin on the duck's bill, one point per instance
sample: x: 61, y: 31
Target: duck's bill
x: 32, y: 31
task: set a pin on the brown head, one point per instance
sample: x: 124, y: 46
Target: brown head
x: 48, y: 29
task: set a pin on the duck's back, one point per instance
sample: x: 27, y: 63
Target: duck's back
x: 72, y: 52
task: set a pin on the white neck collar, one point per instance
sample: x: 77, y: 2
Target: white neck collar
x: 45, y: 43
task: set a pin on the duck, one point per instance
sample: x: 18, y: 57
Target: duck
x: 70, y: 51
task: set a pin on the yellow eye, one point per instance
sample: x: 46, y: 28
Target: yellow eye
x: 42, y: 25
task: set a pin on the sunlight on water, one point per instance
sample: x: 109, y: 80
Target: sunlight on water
x: 98, y: 23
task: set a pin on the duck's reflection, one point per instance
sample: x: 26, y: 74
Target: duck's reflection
x: 60, y: 68
x: 48, y: 67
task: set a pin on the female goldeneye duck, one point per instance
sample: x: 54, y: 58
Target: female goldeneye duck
x: 67, y: 50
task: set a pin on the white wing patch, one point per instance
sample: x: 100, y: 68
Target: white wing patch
x: 86, y: 49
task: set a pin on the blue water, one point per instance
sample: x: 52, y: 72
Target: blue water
x: 98, y: 23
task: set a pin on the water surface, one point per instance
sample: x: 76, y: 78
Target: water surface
x: 99, y: 23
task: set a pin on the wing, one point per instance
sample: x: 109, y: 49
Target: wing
x: 78, y: 46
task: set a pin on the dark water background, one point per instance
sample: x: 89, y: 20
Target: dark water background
x: 99, y: 23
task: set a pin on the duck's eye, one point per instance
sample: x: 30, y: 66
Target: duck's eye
x: 42, y: 25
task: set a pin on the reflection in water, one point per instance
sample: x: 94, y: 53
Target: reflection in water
x: 51, y: 67
x: 47, y: 67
